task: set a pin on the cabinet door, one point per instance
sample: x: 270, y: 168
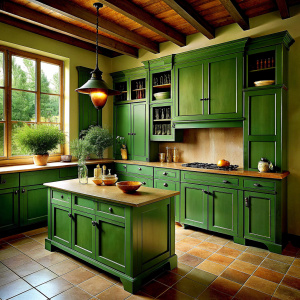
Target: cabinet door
x: 33, y: 204
x: 259, y: 211
x: 223, y: 210
x: 110, y: 243
x: 194, y: 205
x: 225, y: 83
x: 140, y: 140
x: 83, y: 233
x: 189, y: 89
x: 123, y: 127
x: 9, y: 212
x: 172, y: 186
x: 61, y: 221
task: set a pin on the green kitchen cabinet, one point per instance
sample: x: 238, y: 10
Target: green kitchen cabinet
x: 223, y: 210
x: 130, y: 121
x: 33, y: 204
x: 265, y: 132
x: 9, y: 213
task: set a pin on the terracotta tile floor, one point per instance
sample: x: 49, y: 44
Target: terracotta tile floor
x: 209, y: 267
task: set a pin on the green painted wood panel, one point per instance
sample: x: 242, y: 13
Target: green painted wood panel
x: 140, y: 170
x: 33, y: 204
x: 110, y: 243
x: 83, y: 233
x: 83, y: 204
x: 166, y: 174
x: 194, y: 205
x: 260, y: 216
x: 9, y: 181
x: 88, y: 114
x: 190, y: 89
x: 39, y: 177
x: 259, y: 149
x: 147, y: 181
x: 223, y: 210
x: 61, y: 225
x: 68, y: 173
x: 260, y: 184
x: 61, y: 198
x: 9, y: 212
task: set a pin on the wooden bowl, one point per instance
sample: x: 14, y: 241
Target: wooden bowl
x: 97, y: 181
x: 109, y: 180
x: 129, y: 187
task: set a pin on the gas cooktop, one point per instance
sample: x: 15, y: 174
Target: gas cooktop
x: 209, y: 166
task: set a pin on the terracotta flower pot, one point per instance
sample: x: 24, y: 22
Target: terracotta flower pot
x: 40, y: 159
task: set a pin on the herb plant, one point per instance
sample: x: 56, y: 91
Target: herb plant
x: 80, y: 148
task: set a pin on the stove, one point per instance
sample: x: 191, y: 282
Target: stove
x: 210, y: 166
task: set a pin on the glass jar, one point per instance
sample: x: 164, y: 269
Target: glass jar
x: 175, y: 155
x: 169, y: 154
x: 162, y: 157
x: 83, y: 173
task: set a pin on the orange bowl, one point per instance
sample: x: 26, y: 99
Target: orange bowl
x: 97, y: 181
x: 129, y: 186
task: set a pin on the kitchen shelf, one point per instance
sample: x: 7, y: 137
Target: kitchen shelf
x: 162, y: 120
x: 139, y: 89
x: 162, y: 86
x: 265, y: 69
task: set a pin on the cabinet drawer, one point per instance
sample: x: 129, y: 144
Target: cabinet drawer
x: 195, y: 177
x: 61, y: 198
x: 111, y: 211
x: 137, y: 169
x: 39, y: 177
x: 259, y: 184
x: 169, y: 174
x: 66, y: 173
x: 83, y: 204
x: 9, y: 180
x: 166, y: 185
x: 121, y: 168
x: 145, y: 180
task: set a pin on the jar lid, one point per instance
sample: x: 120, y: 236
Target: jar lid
x: 264, y: 159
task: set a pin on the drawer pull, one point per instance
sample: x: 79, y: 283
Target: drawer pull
x: 23, y: 191
x: 257, y: 184
x: 165, y: 173
x: 94, y: 223
x: 205, y: 192
x: 3, y: 181
x: 70, y: 215
x: 226, y: 181
x: 110, y: 210
x: 62, y: 196
x: 124, y: 166
x: 144, y: 183
x: 165, y: 184
x: 140, y: 169
x: 16, y: 192
x: 247, y: 202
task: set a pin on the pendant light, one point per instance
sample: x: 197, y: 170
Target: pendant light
x: 95, y: 86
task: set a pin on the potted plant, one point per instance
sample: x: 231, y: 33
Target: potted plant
x: 121, y: 144
x: 39, y: 140
x: 98, y: 139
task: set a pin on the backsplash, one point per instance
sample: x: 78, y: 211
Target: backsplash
x: 208, y: 145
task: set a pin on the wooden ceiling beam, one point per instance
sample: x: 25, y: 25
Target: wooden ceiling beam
x: 283, y: 8
x: 54, y: 35
x: 135, y: 13
x: 71, y: 10
x: 236, y: 13
x: 187, y: 12
x: 54, y: 24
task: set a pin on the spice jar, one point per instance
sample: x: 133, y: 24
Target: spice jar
x: 169, y: 154
x: 175, y: 155
x: 162, y: 157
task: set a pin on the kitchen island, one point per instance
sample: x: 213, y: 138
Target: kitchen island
x: 128, y: 235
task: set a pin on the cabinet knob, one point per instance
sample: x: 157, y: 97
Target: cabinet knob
x: 225, y: 181
x: 124, y: 166
x: 257, y: 184
x: 205, y: 192
x: 140, y: 169
x: 70, y: 215
x: 165, y: 173
x: 144, y: 183
x: 94, y: 223
x: 129, y: 133
x: 110, y: 210
x: 3, y: 181
x: 16, y: 192
x: 62, y: 196
x: 133, y: 133
x: 165, y: 184
x: 247, y: 202
x: 23, y: 191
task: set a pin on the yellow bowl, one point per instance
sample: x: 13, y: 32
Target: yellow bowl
x: 129, y: 186
x: 110, y: 181
x: 97, y: 181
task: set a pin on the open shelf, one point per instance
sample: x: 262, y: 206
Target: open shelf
x: 138, y: 89
x: 161, y: 82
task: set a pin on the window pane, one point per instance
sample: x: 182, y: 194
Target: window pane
x: 50, y: 81
x: 15, y: 150
x: 23, y: 73
x: 1, y: 69
x: 1, y: 104
x: 22, y: 106
x: 1, y: 139
x: 50, y: 108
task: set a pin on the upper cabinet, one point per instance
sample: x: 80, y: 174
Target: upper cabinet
x: 208, y: 86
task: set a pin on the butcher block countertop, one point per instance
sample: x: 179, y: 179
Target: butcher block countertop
x: 143, y: 196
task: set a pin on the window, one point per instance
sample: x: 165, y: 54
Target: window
x: 30, y: 92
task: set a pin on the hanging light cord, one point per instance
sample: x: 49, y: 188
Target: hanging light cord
x: 97, y: 38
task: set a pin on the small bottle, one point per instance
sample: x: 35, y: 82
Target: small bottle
x: 269, y: 62
x: 273, y: 62
x: 175, y: 155
x: 104, y: 170
x: 257, y: 65
x: 168, y: 154
x: 261, y: 64
x: 97, y: 172
x: 265, y: 63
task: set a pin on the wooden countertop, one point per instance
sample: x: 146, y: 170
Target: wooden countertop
x: 53, y: 165
x: 143, y: 196
x: 178, y: 166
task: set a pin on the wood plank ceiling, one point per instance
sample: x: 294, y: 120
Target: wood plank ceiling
x: 129, y: 25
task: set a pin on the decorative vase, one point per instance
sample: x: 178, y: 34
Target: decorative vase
x: 124, y: 153
x: 83, y: 173
x: 66, y: 158
x: 40, y: 159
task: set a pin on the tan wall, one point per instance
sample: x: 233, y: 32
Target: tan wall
x: 262, y: 25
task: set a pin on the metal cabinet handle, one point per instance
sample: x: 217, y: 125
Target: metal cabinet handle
x: 144, y: 183
x: 17, y: 192
x: 133, y: 133
x: 70, y: 215
x: 165, y: 173
x: 247, y: 202
x: 205, y: 192
x: 94, y: 223
x: 124, y: 166
x: 110, y: 210
x: 23, y: 191
x: 140, y: 169
x: 62, y: 196
x: 3, y: 181
x: 165, y: 184
x: 257, y: 184
x: 225, y: 181
x: 129, y: 133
